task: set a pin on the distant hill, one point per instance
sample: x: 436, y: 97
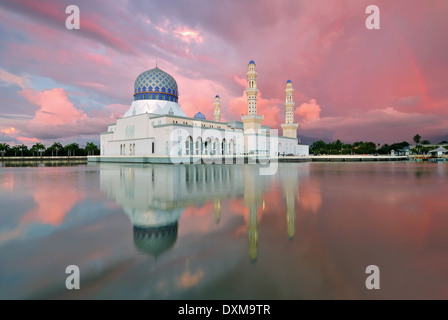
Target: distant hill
x: 437, y: 139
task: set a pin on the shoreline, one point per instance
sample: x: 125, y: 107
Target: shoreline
x: 218, y: 160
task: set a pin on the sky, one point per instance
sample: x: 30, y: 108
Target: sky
x: 350, y: 83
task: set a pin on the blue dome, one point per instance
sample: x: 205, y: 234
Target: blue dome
x: 155, y: 84
x: 289, y: 81
x: 251, y: 62
x: 217, y: 96
x: 199, y: 116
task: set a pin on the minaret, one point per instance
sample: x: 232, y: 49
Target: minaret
x: 252, y: 121
x: 251, y: 89
x: 289, y: 127
x: 217, y: 113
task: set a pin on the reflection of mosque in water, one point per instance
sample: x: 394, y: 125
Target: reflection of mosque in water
x: 154, y: 197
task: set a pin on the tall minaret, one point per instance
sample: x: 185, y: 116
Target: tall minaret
x: 252, y: 121
x: 289, y: 127
x: 251, y: 89
x: 217, y: 113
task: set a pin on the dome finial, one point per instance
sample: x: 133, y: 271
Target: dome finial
x: 156, y: 63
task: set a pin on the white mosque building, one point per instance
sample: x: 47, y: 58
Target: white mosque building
x: 156, y: 129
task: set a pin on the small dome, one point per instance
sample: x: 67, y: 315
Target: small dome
x: 199, y: 116
x: 155, y: 84
x: 217, y: 96
x: 251, y: 62
x: 289, y: 81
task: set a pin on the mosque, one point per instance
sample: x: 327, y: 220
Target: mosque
x: 155, y: 127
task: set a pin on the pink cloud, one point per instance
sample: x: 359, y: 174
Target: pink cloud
x: 58, y: 117
x: 55, y: 108
x: 308, y: 111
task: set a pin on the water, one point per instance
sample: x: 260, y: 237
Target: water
x: 224, y: 231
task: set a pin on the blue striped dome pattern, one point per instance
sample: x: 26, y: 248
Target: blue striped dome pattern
x: 155, y: 84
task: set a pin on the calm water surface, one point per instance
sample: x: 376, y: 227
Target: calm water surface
x: 224, y: 231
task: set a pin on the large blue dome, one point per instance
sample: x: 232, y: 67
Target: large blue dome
x: 155, y: 84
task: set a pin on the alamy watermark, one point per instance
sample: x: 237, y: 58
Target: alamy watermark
x: 373, y: 280
x: 373, y: 20
x: 73, y: 20
x: 73, y: 280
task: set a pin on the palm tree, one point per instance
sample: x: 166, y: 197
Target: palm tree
x: 4, y: 147
x: 417, y: 138
x: 56, y: 146
x: 71, y: 148
x: 22, y: 148
x: 39, y: 148
x: 91, y: 148
x: 15, y: 149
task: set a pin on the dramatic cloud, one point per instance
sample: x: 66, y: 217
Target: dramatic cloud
x: 308, y: 111
x: 349, y: 82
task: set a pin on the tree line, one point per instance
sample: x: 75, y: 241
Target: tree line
x: 360, y: 147
x: 55, y: 150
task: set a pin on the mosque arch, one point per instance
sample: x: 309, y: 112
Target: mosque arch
x: 223, y: 147
x: 216, y: 146
x: 232, y: 147
x: 198, y: 146
x: 189, y: 146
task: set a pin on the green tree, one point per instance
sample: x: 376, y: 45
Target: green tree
x: 417, y: 138
x: 15, y: 149
x: 91, y: 148
x: 55, y: 148
x: 318, y: 147
x: 23, y: 149
x: 399, y: 145
x: 39, y: 148
x: 384, y: 149
x: 72, y: 149
x: 4, y: 147
x: 426, y: 142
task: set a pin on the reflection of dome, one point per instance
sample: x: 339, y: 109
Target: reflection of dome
x: 155, y: 240
x: 199, y: 116
x: 155, y: 84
